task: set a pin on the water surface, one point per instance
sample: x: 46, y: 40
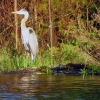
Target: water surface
x: 48, y: 87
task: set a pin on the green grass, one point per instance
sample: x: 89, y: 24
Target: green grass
x: 66, y: 53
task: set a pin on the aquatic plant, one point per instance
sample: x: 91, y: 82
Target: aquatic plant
x: 84, y: 72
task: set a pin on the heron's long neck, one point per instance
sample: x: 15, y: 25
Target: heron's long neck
x: 23, y: 25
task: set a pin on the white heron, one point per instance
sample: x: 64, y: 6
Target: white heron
x: 29, y: 38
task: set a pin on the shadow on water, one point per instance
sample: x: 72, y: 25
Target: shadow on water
x: 48, y: 87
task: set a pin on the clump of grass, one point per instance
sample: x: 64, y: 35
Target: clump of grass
x: 94, y: 68
x: 84, y: 72
x: 9, y: 61
x: 4, y: 60
x: 91, y: 70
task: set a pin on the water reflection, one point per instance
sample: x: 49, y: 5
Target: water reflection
x: 48, y: 87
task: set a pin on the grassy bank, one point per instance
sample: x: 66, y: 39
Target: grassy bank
x: 66, y: 53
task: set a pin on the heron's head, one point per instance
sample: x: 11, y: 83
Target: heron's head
x: 21, y: 12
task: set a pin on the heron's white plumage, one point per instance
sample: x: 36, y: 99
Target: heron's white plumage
x: 33, y: 43
x: 29, y: 38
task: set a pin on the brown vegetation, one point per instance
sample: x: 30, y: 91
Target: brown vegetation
x: 72, y: 23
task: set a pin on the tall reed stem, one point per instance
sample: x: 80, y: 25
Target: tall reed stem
x: 50, y: 29
x: 16, y: 23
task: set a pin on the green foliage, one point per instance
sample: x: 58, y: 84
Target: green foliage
x: 9, y: 61
x: 63, y: 55
x: 13, y: 35
x: 84, y: 72
x: 48, y: 71
x: 94, y: 68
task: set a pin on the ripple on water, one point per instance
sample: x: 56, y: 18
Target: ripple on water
x: 43, y: 87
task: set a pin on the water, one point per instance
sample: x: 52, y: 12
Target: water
x: 48, y: 87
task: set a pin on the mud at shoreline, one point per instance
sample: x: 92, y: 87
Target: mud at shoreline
x: 68, y: 69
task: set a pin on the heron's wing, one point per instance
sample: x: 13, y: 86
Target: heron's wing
x: 33, y: 41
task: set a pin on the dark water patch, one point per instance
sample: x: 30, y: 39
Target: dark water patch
x: 48, y: 87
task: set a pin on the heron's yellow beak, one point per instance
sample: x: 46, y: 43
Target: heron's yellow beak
x: 13, y: 12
